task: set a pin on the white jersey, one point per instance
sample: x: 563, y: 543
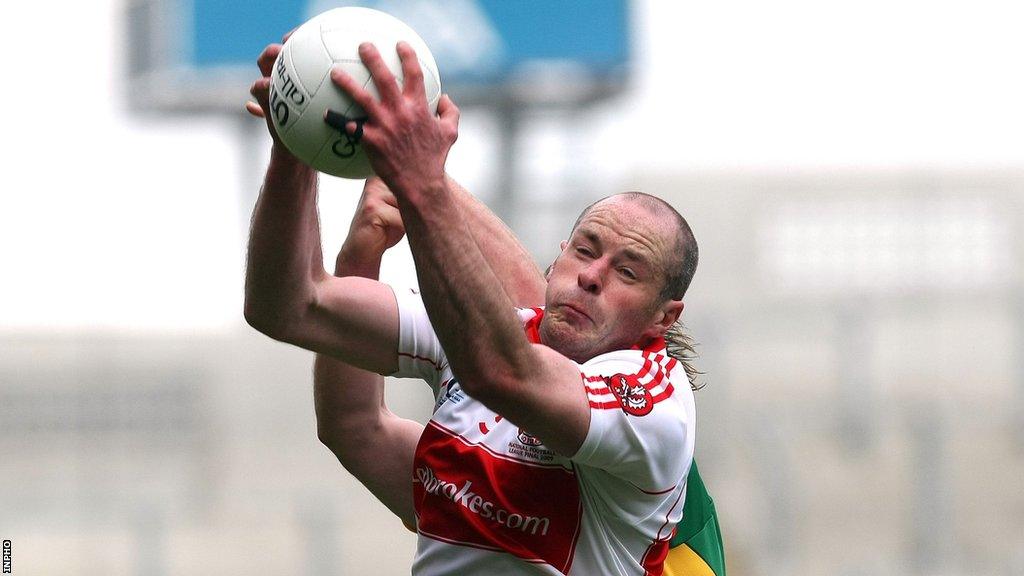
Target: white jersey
x: 492, y: 499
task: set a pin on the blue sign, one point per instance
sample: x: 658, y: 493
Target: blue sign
x: 473, y: 41
x: 478, y: 44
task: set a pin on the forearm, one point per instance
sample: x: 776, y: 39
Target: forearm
x: 279, y: 281
x: 474, y: 321
x: 515, y: 269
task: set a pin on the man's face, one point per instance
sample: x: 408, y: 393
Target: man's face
x: 603, y: 289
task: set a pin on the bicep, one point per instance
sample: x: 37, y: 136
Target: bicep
x: 519, y: 277
x: 353, y: 319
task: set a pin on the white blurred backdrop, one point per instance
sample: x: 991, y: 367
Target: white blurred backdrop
x: 854, y: 173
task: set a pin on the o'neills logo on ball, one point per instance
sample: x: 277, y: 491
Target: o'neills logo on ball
x: 633, y: 396
x: 286, y: 95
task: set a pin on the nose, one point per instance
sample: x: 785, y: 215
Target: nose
x: 590, y: 277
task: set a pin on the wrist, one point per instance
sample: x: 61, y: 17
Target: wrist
x: 281, y: 156
x: 423, y: 191
x: 285, y: 168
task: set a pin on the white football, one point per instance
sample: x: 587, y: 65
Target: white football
x: 301, y: 89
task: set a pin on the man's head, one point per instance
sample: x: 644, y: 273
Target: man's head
x: 620, y: 278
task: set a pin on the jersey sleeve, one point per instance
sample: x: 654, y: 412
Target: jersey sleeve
x: 419, y: 351
x: 641, y: 422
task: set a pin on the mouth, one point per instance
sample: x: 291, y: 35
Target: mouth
x: 575, y: 311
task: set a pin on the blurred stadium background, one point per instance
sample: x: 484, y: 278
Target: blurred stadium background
x: 854, y: 173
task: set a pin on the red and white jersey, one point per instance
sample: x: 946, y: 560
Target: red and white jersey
x: 492, y: 499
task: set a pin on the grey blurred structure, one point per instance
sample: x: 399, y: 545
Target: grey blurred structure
x: 861, y: 334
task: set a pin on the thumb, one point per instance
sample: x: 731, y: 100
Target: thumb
x: 449, y: 115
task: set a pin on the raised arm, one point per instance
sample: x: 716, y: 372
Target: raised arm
x: 350, y: 318
x: 373, y: 444
x: 287, y: 298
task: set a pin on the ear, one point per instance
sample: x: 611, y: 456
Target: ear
x: 547, y: 272
x: 665, y: 316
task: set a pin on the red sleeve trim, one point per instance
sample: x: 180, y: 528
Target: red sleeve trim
x: 597, y: 386
x: 656, y: 492
x: 653, y: 560
x: 437, y: 365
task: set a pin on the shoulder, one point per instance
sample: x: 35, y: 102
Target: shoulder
x: 634, y: 381
x: 642, y: 421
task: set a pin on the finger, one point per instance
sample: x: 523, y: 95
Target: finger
x: 445, y: 106
x: 344, y: 124
x: 266, y: 59
x: 260, y: 90
x: 288, y: 35
x: 358, y: 94
x: 376, y: 186
x: 389, y: 198
x: 389, y: 214
x: 336, y: 120
x: 394, y: 220
x: 254, y: 109
x: 449, y: 114
x: 383, y: 79
x: 412, y: 72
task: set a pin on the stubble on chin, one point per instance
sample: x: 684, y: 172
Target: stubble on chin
x: 559, y: 335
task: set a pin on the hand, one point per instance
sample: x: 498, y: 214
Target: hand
x: 406, y: 145
x: 376, y: 225
x: 260, y: 89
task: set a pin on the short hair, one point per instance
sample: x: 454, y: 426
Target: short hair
x: 680, y: 270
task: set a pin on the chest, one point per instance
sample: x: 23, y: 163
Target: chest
x: 482, y: 481
x: 477, y: 425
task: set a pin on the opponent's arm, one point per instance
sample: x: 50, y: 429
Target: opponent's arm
x: 531, y: 385
x: 373, y: 444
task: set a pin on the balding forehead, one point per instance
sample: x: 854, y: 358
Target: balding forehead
x: 645, y: 235
x: 652, y: 203
x: 653, y: 206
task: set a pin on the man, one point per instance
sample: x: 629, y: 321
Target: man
x: 564, y: 449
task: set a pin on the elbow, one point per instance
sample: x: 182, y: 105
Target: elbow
x: 489, y: 389
x: 347, y: 440
x: 496, y: 383
x: 277, y: 312
x: 257, y: 316
x: 265, y: 319
x: 329, y: 437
